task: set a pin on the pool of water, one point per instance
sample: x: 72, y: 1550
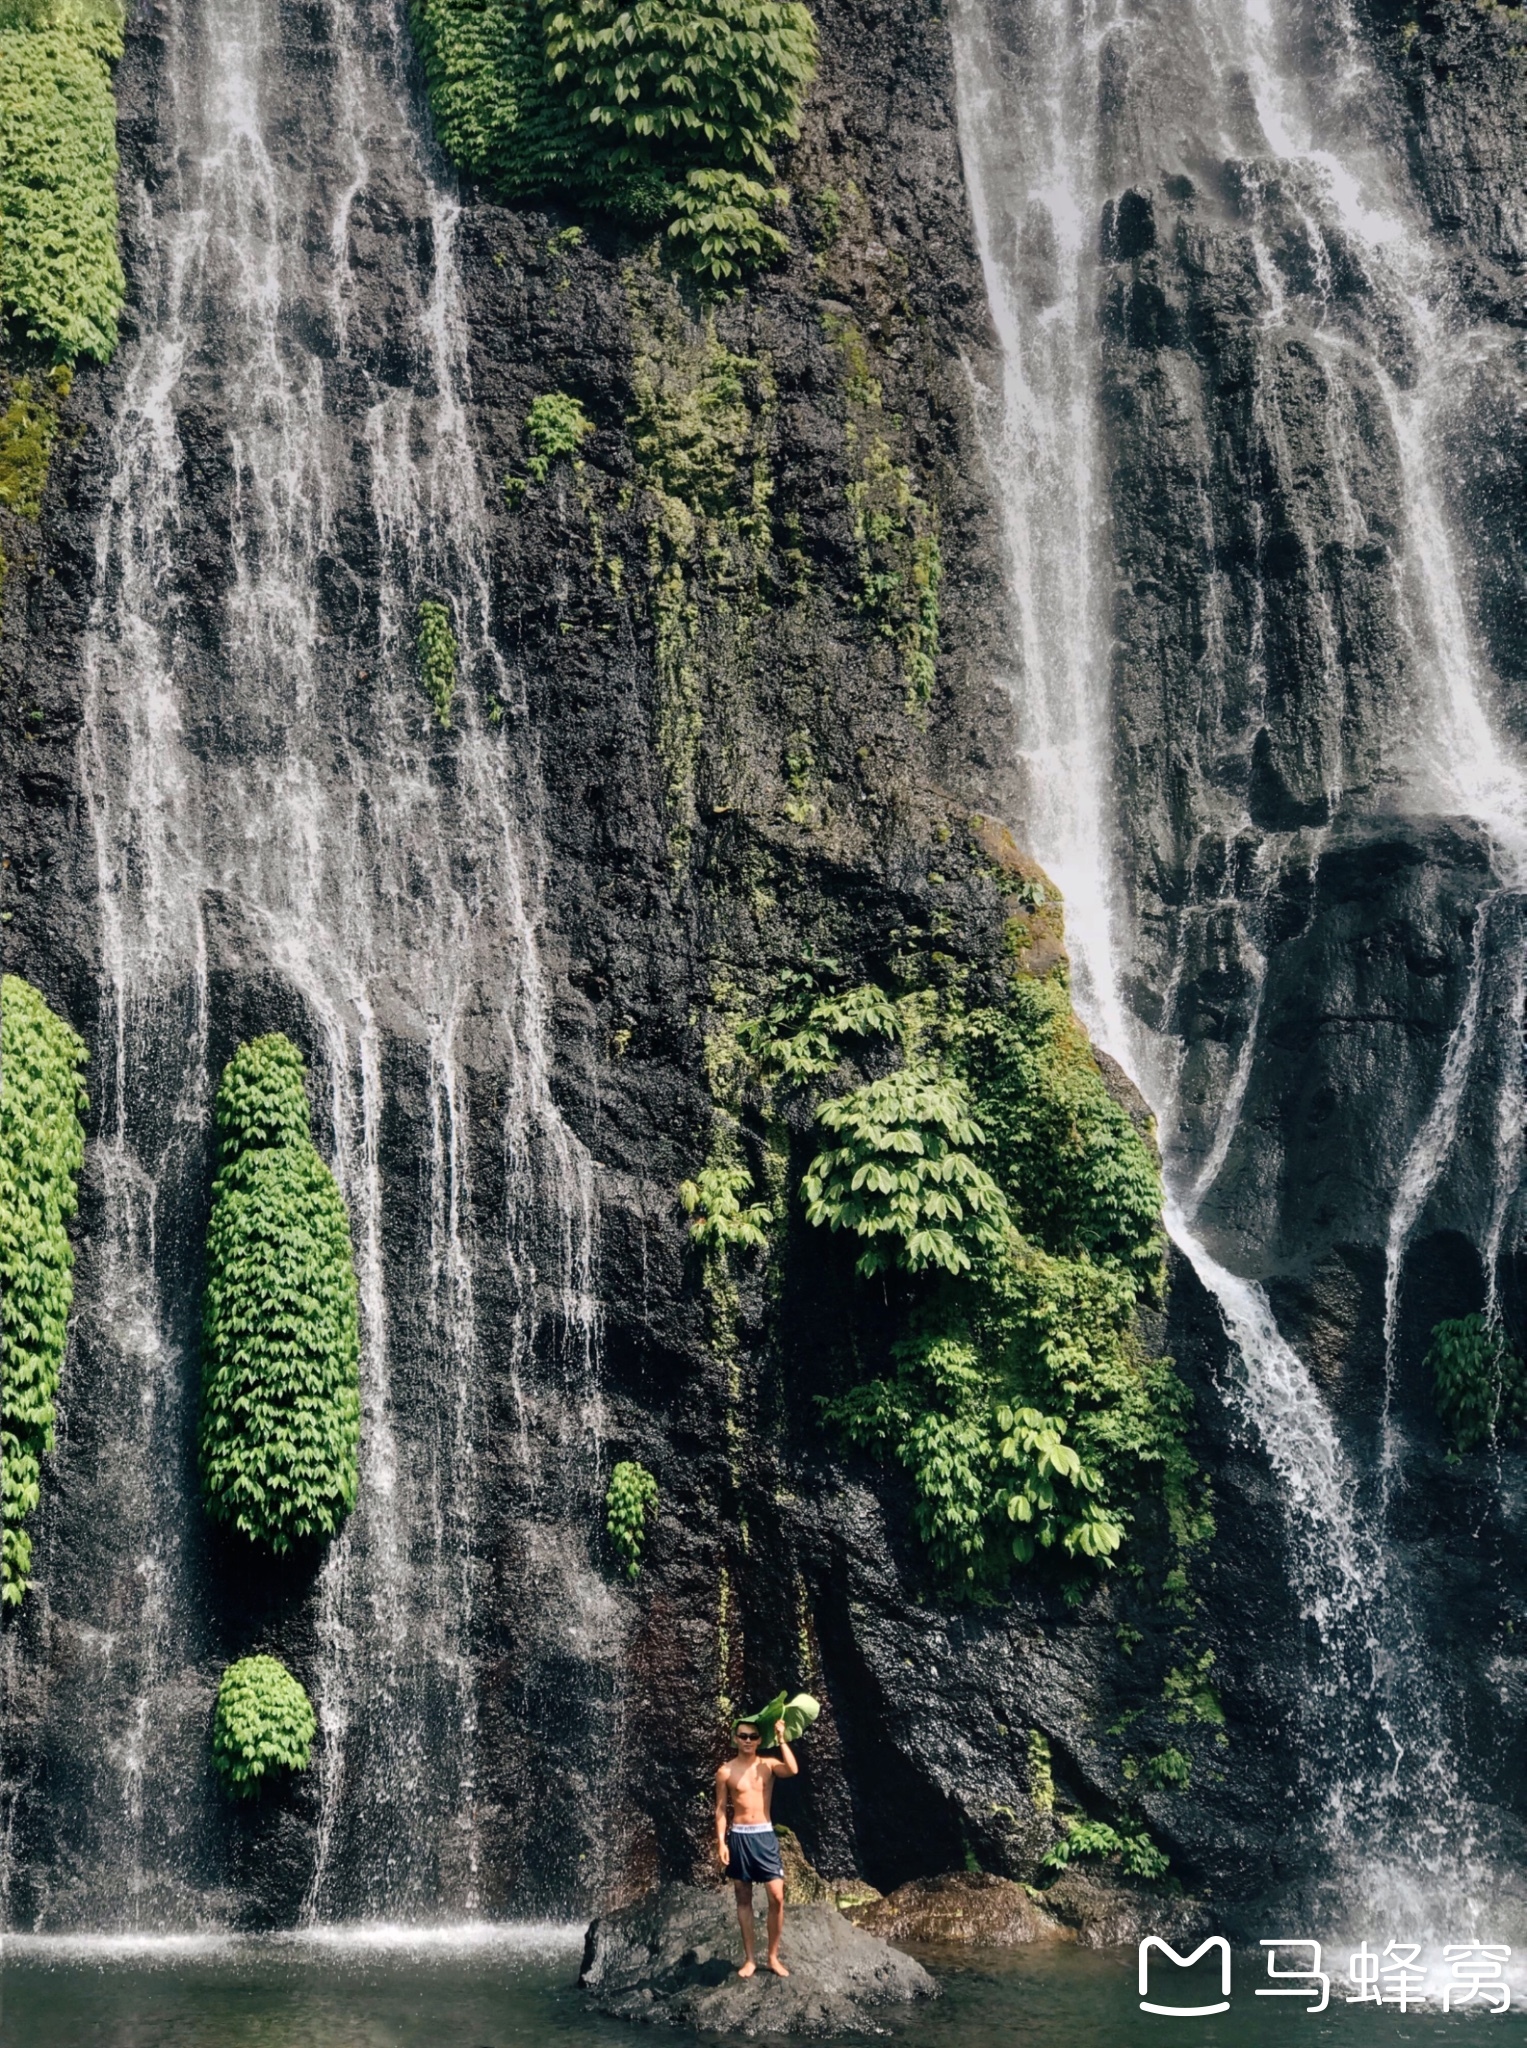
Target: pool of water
x: 494, y: 1989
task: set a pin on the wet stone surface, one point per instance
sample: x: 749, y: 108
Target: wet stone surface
x: 673, y: 1956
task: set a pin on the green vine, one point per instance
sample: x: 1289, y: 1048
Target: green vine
x: 280, y: 1388
x: 42, y: 1147
x: 895, y: 531
x: 263, y: 1725
x: 61, y: 283
x: 1041, y: 1772
x: 435, y: 651
x: 700, y: 433
x: 630, y: 1499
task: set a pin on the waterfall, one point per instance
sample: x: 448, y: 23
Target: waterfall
x: 1073, y: 112
x: 283, y: 837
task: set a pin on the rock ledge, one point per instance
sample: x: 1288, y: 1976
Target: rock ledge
x: 672, y: 1957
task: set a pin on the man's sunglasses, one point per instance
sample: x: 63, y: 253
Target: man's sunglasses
x: 746, y: 1737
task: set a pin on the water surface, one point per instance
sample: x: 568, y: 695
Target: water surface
x: 498, y: 1991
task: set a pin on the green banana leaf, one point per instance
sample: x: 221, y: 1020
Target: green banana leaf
x: 797, y: 1715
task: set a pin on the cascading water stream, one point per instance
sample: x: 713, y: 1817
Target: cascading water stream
x: 284, y: 839
x: 1064, y: 105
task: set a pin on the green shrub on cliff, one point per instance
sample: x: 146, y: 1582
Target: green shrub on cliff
x: 42, y: 1147
x: 630, y: 1498
x: 280, y: 1390
x: 61, y: 281
x: 263, y: 1724
x: 661, y: 112
x: 1480, y: 1383
x: 1008, y: 1215
x: 902, y: 1177
x: 435, y: 652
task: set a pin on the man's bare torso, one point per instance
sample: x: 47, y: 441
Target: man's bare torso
x: 750, y: 1790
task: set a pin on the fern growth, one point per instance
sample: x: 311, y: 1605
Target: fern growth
x: 42, y: 1147
x: 1480, y: 1383
x: 280, y: 1390
x: 61, y: 282
x: 662, y: 113
x: 902, y: 1176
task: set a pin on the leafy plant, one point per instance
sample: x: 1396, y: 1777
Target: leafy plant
x: 1036, y: 1444
x: 1480, y: 1383
x: 798, y: 1714
x: 1190, y: 1696
x: 42, y: 1147
x: 901, y: 566
x: 617, y: 106
x: 1079, y: 1177
x: 61, y: 282
x: 630, y: 1498
x: 280, y: 1387
x: 557, y: 425
x: 903, y: 1177
x: 668, y: 81
x: 721, y: 1217
x: 435, y: 648
x: 263, y: 1724
x: 718, y: 233
x: 1168, y: 1768
x: 1137, y: 1853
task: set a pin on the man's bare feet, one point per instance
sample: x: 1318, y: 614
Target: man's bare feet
x: 778, y: 1967
x: 748, y: 1968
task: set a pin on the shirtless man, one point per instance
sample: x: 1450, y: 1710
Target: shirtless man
x: 748, y: 1848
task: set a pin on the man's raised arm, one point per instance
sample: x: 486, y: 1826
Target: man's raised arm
x: 721, y: 1849
x: 785, y: 1765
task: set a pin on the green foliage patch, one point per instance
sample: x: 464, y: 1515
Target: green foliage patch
x: 1479, y: 1382
x: 263, y: 1725
x: 895, y: 529
x: 280, y: 1388
x: 61, y: 283
x: 557, y: 425
x: 700, y: 433
x: 1137, y: 1854
x: 435, y: 652
x: 28, y: 430
x: 662, y: 113
x: 42, y: 1147
x: 990, y: 1181
x: 631, y: 1497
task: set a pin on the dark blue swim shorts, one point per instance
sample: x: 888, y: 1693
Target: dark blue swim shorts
x: 753, y: 1858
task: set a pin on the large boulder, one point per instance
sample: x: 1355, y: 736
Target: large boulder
x: 966, y: 1908
x: 1112, y: 1912
x: 673, y: 1957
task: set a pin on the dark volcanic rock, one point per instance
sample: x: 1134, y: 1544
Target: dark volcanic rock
x: 962, y: 1908
x: 673, y: 1957
x: 1113, y: 1913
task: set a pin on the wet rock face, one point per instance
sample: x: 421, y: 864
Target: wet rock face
x: 1283, y: 897
x: 674, y: 1956
x: 960, y: 1910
